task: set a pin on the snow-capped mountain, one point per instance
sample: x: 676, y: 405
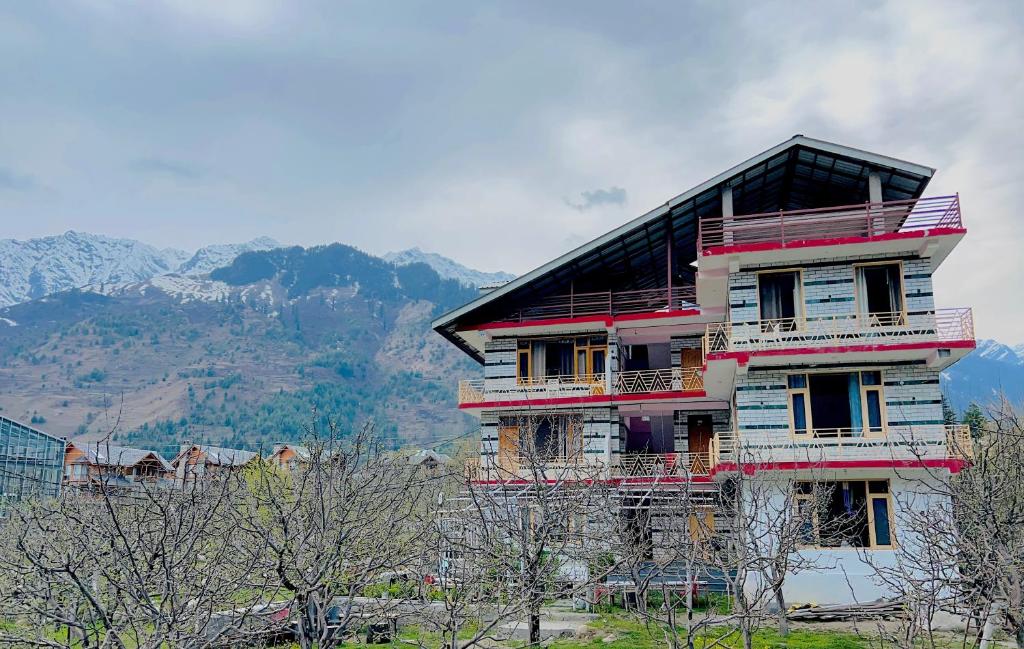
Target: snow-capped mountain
x: 992, y: 370
x: 218, y: 255
x: 447, y: 268
x: 997, y: 351
x: 38, y: 267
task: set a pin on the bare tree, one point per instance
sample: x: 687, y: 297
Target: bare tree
x: 146, y: 567
x: 330, y: 529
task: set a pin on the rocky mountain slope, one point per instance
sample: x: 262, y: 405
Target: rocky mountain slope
x: 38, y: 267
x: 447, y: 268
x: 990, y: 370
x: 259, y: 351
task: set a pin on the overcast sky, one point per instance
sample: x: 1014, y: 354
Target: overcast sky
x: 499, y: 134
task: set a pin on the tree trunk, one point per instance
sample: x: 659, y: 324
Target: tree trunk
x: 534, y: 625
x: 780, y: 601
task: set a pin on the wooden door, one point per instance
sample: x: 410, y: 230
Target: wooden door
x: 700, y: 431
x: 508, y: 447
x: 691, y: 358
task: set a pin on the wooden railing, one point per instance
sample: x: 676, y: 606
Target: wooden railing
x: 865, y: 220
x: 677, y: 379
x: 606, y: 303
x: 674, y: 379
x: 942, y: 325
x: 662, y: 464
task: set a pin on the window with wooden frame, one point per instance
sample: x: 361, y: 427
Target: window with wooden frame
x: 835, y: 404
x: 880, y: 297
x: 540, y: 437
x: 845, y: 514
x: 577, y: 358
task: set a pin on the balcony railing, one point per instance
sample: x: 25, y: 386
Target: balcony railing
x: 932, y: 442
x: 865, y: 220
x: 676, y: 379
x: 942, y: 325
x: 606, y: 303
x: 663, y: 464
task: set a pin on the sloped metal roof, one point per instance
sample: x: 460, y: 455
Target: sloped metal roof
x: 798, y: 173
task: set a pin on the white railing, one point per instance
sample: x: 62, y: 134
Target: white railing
x: 942, y: 325
x: 674, y: 379
x: 932, y: 442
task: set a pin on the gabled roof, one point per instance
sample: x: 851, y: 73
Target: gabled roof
x: 218, y: 455
x: 798, y: 173
x: 102, y: 454
x: 301, y: 452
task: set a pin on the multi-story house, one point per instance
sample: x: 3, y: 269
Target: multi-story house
x: 88, y: 465
x: 197, y: 461
x: 776, y: 321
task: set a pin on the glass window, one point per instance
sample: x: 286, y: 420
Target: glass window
x: 797, y: 381
x: 799, y: 413
x: 880, y: 512
x: 871, y: 378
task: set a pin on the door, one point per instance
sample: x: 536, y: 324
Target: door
x: 700, y: 430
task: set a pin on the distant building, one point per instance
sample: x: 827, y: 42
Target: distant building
x: 429, y: 459
x: 88, y: 464
x: 197, y: 461
x: 289, y: 456
x: 30, y: 461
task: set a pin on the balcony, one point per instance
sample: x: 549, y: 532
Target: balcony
x: 606, y: 303
x: 938, y: 446
x: 867, y: 221
x: 901, y: 333
x: 632, y: 384
x: 654, y: 465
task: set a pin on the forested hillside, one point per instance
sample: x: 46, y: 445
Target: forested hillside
x: 251, y: 355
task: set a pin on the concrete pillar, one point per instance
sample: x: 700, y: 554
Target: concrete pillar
x: 726, y: 214
x: 877, y: 215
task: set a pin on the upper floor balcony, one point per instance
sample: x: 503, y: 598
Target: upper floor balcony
x: 928, y: 227
x: 674, y: 382
x: 933, y: 446
x: 602, y: 308
x: 640, y: 468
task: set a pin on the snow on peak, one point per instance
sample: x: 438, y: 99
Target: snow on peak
x: 447, y: 268
x: 210, y: 257
x: 997, y: 351
x: 35, y: 268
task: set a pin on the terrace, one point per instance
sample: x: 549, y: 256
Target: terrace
x: 852, y: 330
x: 606, y: 303
x: 669, y: 381
x: 947, y: 446
x: 847, y: 223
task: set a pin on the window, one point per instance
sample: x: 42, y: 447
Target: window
x: 836, y: 404
x: 848, y: 513
x: 581, y: 358
x: 781, y: 300
x: 880, y: 294
x: 539, y: 438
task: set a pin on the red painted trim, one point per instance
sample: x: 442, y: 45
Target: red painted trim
x: 743, y: 357
x: 766, y: 246
x: 641, y: 480
x: 607, y: 321
x: 953, y: 465
x: 589, y: 399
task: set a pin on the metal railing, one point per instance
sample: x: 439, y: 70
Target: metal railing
x: 943, y: 325
x: 930, y: 442
x: 606, y: 303
x: 865, y: 220
x: 674, y: 379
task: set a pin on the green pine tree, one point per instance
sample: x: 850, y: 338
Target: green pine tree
x: 948, y: 414
x: 975, y: 419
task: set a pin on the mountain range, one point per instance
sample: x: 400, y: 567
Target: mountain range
x: 249, y: 344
